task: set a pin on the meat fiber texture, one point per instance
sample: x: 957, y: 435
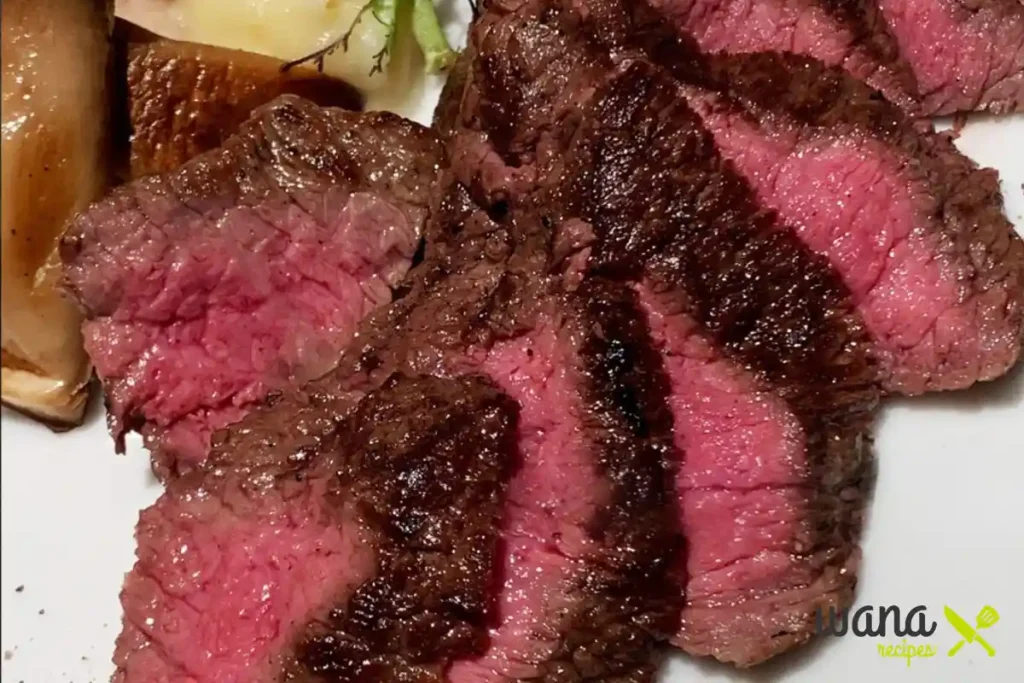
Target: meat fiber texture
x: 850, y: 34
x: 913, y: 227
x: 966, y: 54
x: 770, y: 379
x: 365, y: 554
x: 772, y: 388
x: 588, y: 534
x: 247, y: 270
x: 931, y: 57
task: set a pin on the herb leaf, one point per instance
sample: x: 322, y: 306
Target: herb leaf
x: 437, y: 53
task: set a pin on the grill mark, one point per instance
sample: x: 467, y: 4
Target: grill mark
x: 630, y: 600
x: 420, y: 493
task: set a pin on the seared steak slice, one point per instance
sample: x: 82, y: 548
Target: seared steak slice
x: 586, y: 544
x: 913, y: 227
x: 772, y: 384
x: 946, y: 55
x: 588, y: 534
x: 770, y: 514
x: 247, y: 270
x: 848, y: 33
x: 367, y: 556
x: 771, y: 379
x: 588, y: 537
x: 966, y: 54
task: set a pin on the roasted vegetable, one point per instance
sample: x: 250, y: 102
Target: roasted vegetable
x: 368, y: 43
x: 184, y: 98
x: 55, y: 162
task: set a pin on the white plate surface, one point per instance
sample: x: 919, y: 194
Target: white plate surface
x: 946, y: 523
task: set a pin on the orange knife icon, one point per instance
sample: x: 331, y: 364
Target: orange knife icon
x: 986, y: 617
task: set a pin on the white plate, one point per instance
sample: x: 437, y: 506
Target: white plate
x: 946, y: 524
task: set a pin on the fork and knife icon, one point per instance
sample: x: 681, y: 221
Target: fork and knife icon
x: 986, y: 618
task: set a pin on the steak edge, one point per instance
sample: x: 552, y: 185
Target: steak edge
x: 635, y: 190
x: 368, y: 554
x: 247, y: 270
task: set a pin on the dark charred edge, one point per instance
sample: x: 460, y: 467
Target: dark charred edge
x: 635, y: 27
x: 515, y: 38
x: 426, y: 461
x: 446, y: 113
x: 871, y: 33
x: 772, y: 82
x: 969, y: 217
x: 777, y: 309
x: 630, y: 599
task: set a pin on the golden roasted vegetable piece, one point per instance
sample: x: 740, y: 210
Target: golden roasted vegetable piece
x: 185, y: 98
x: 55, y: 162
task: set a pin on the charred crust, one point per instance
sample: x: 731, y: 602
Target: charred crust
x: 628, y: 598
x: 426, y: 460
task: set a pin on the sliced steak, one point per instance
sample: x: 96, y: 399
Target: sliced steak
x: 368, y: 555
x: 586, y: 592
x: 247, y: 270
x: 771, y: 380
x: 914, y: 228
x: 771, y: 517
x: 851, y: 34
x: 944, y: 55
x: 966, y: 54
x: 589, y: 527
x: 588, y: 537
x: 772, y: 384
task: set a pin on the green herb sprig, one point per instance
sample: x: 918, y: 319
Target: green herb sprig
x: 426, y: 28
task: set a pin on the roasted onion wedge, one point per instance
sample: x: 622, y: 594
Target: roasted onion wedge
x: 54, y: 160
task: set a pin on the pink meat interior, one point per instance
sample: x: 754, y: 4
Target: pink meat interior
x: 850, y: 200
x: 211, y: 320
x: 549, y: 502
x: 745, y: 490
x: 218, y: 590
x: 964, y: 55
x: 743, y: 467
x: 744, y: 26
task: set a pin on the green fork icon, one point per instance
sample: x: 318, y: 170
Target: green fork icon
x: 985, y: 619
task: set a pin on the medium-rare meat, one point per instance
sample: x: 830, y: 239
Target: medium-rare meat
x: 772, y: 384
x: 847, y: 33
x: 947, y: 55
x: 586, y: 544
x: 367, y: 554
x: 914, y: 228
x: 966, y: 54
x: 588, y: 538
x: 185, y: 98
x: 247, y: 270
x: 772, y: 387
